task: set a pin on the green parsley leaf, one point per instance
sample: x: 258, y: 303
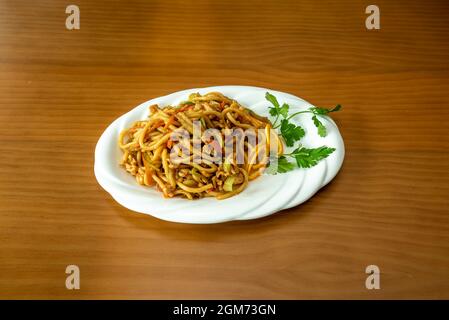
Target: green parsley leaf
x: 336, y: 108
x: 272, y: 99
x: 318, y: 110
x: 273, y: 111
x: 277, y: 110
x: 284, y: 110
x: 321, y: 128
x: 306, y: 158
x: 291, y: 132
x: 283, y: 165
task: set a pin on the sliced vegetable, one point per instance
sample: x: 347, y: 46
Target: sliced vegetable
x: 229, y: 182
x: 227, y: 166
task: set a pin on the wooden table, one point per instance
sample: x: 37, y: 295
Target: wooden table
x: 389, y: 205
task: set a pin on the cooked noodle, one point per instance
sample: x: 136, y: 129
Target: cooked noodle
x: 147, y: 146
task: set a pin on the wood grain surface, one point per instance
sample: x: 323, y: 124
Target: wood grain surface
x: 389, y: 205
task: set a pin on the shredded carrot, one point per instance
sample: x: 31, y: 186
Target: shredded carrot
x: 170, y: 121
x: 157, y: 124
x: 186, y: 107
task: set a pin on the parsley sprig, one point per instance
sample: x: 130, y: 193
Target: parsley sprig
x: 306, y: 158
x: 292, y: 133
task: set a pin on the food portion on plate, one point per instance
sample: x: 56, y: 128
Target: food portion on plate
x: 182, y: 149
x: 296, y: 150
x: 212, y: 146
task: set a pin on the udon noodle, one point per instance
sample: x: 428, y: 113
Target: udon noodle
x: 177, y: 168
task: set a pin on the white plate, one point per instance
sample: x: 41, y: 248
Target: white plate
x: 263, y: 196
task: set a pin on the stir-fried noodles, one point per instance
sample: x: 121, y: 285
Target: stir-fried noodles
x: 165, y: 150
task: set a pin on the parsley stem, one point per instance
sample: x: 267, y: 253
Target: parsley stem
x: 296, y: 113
x: 275, y: 121
x: 288, y: 118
